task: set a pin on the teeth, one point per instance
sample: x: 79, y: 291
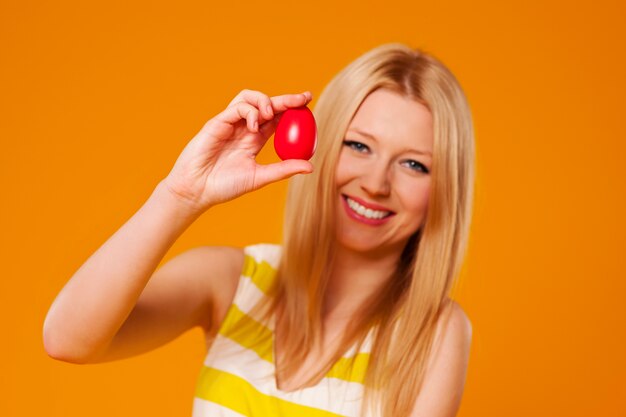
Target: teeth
x: 365, y: 212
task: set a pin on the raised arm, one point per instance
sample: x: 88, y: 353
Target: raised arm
x: 107, y: 310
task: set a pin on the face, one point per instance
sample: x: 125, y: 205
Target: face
x: 383, y: 174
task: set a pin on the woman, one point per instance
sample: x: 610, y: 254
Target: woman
x: 350, y: 315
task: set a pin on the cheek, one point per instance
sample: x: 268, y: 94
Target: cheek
x: 415, y: 197
x: 346, y: 170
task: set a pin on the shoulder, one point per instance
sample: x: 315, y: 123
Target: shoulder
x: 257, y: 262
x: 444, y: 379
x: 454, y: 322
x: 217, y: 261
x: 264, y: 252
x: 260, y: 267
x: 453, y: 336
x: 217, y: 269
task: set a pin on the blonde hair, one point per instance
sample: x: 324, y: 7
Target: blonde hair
x: 407, y: 310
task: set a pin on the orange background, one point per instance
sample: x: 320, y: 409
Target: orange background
x: 99, y: 98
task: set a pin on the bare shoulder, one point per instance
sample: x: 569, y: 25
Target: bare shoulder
x: 223, y: 266
x: 206, y: 279
x: 444, y: 379
x: 225, y: 259
x: 455, y: 322
x: 453, y: 336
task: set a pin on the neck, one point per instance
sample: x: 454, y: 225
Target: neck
x: 355, y: 277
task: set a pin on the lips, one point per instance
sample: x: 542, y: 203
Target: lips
x: 365, y: 212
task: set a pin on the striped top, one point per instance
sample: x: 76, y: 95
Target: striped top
x: 238, y: 377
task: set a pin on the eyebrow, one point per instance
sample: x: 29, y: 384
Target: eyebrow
x: 369, y: 135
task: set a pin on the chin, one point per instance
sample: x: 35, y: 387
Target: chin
x: 361, y: 247
x: 367, y: 247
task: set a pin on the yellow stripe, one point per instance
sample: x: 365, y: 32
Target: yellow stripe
x: 249, y: 333
x: 249, y: 265
x: 240, y: 396
x: 350, y: 369
x: 262, y: 274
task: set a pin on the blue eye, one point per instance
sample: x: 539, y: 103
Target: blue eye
x: 357, y: 146
x: 417, y: 166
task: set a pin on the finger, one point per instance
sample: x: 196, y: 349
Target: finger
x: 268, y: 128
x: 238, y: 98
x: 239, y: 111
x: 267, y: 174
x: 287, y: 101
x: 259, y: 100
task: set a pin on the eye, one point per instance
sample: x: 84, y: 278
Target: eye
x: 416, y: 166
x: 357, y: 146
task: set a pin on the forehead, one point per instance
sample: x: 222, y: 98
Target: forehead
x: 391, y: 117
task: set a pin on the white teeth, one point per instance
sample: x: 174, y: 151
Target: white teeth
x: 366, y: 212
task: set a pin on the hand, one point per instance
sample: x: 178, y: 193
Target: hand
x: 219, y: 164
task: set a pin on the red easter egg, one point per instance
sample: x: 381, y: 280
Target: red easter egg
x: 296, y: 134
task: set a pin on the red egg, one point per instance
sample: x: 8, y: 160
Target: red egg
x: 296, y: 134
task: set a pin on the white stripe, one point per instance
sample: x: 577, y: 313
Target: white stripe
x: 247, y: 296
x: 204, y: 408
x: 331, y: 394
x: 267, y: 252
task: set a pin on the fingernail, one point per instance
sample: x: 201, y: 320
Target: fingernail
x: 256, y: 125
x: 269, y: 109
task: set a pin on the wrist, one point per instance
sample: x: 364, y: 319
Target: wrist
x: 176, y: 204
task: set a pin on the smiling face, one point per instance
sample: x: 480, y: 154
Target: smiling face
x: 383, y: 174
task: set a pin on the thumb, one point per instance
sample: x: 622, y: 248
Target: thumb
x: 267, y: 174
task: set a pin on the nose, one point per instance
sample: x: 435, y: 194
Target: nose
x: 375, y: 181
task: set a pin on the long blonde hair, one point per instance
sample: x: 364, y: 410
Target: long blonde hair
x: 407, y: 310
